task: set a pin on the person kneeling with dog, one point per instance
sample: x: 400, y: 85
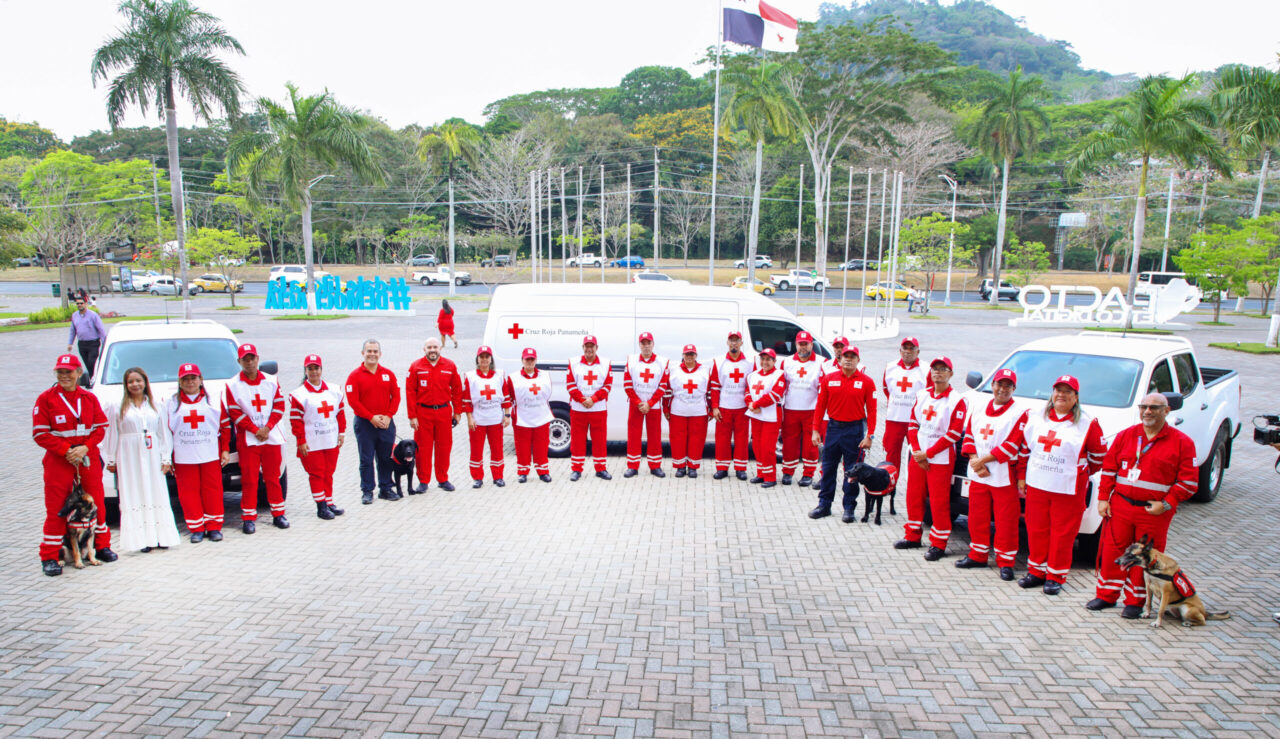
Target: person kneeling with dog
x: 1149, y: 470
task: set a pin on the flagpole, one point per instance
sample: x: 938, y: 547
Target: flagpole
x: 715, y: 149
x: 564, y: 234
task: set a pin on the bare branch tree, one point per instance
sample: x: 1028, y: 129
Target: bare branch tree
x: 498, y: 184
x: 687, y: 208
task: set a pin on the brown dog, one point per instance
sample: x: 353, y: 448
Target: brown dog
x: 81, y: 514
x: 1166, y: 582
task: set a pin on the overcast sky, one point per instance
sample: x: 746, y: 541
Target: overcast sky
x: 428, y: 61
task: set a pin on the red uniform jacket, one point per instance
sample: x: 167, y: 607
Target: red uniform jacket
x: 1166, y: 466
x: 851, y: 398
x: 61, y: 420
x: 373, y: 393
x: 438, y: 384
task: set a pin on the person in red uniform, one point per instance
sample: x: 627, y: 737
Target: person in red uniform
x: 256, y: 408
x: 992, y: 490
x: 937, y: 423
x: 318, y: 418
x: 1059, y: 446
x: 765, y: 389
x: 444, y: 322
x: 849, y: 398
x: 374, y: 397
x: 645, y: 382
x: 1148, y: 472
x: 903, y: 381
x: 688, y: 409
x: 68, y: 423
x: 433, y: 398
x: 729, y: 407
x: 588, y: 382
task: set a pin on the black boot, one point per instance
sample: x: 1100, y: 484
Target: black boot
x: 934, y: 554
x: 336, y: 510
x: 681, y: 472
x: 657, y: 472
x: 280, y: 522
x: 51, y: 567
x: 545, y: 478
x: 786, y: 479
x: 197, y: 537
x: 693, y: 473
x: 215, y: 535
x: 805, y: 481
x: 575, y: 476
x: 1030, y: 581
x: 499, y: 483
x: 964, y: 563
x: 323, y: 512
x: 720, y: 475
x: 630, y: 472
x: 106, y: 555
x: 476, y: 485
x: 248, y: 527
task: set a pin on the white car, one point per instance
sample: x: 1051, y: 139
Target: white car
x: 586, y: 259
x: 142, y: 280
x: 658, y: 277
x: 442, y: 275
x: 761, y: 262
x: 800, y: 279
x: 164, y: 285
x: 295, y: 274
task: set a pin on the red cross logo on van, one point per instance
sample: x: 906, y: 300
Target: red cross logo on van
x: 515, y: 331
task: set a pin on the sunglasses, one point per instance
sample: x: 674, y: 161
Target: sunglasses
x: 1152, y: 407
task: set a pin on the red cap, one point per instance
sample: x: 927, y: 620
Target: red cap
x: 529, y: 353
x: 944, y: 360
x: 189, y: 369
x: 690, y: 349
x: 312, y: 359
x: 482, y: 349
x: 646, y: 336
x: 909, y: 340
x: 1005, y: 374
x: 1069, y: 381
x: 804, y: 336
x: 837, y: 341
x: 769, y: 353
x: 851, y: 349
x: 589, y: 339
x: 733, y: 334
x: 246, y: 349
x: 67, y: 361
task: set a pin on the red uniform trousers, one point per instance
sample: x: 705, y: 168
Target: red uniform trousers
x: 895, y: 435
x: 688, y: 439
x: 492, y: 433
x: 1003, y: 502
x: 650, y: 424
x: 319, y: 465
x: 797, y: 443
x: 1053, y: 520
x: 764, y: 441
x: 1126, y: 525
x: 200, y: 493
x: 731, y: 439
x: 580, y: 424
x: 267, y: 458
x: 434, y: 438
x: 59, y: 476
x: 934, y: 484
x: 532, y: 442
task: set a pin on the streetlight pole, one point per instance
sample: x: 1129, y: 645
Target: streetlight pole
x: 951, y: 241
x: 307, y: 242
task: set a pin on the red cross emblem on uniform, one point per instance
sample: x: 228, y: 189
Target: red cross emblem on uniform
x: 194, y: 418
x: 903, y: 385
x: 758, y: 386
x: 488, y: 392
x: 325, y: 409
x: 736, y: 375
x: 690, y: 386
x: 929, y: 413
x: 534, y: 389
x: 590, y: 377
x: 646, y: 375
x: 986, y: 432
x: 1050, y: 441
x: 515, y: 330
x: 258, y: 403
x: 802, y: 372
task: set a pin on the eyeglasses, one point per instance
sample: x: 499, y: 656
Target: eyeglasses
x: 1152, y: 407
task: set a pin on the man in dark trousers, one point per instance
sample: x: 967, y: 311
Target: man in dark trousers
x: 87, y: 334
x: 849, y: 398
x: 433, y: 400
x: 374, y: 396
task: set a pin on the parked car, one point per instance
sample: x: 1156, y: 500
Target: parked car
x: 635, y: 261
x: 883, y: 289
x: 758, y: 285
x: 651, y: 276
x: 586, y: 259
x: 142, y: 280
x: 501, y: 260
x: 26, y: 262
x: 799, y: 279
x: 442, y: 275
x: 423, y: 260
x: 295, y: 274
x: 166, y: 285
x: 1007, y: 290
x: 762, y: 261
x: 216, y: 283
x: 856, y: 265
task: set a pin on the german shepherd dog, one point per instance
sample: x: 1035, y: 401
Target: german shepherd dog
x: 879, y: 481
x: 81, y: 515
x: 1166, y: 582
x: 402, y: 466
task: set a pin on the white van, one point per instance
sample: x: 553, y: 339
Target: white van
x: 553, y: 319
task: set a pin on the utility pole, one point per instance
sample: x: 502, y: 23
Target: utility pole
x: 1168, y: 221
x: 628, y: 223
x: 564, y: 232
x: 533, y: 233
x: 580, y: 234
x: 657, y: 211
x: 453, y: 264
x: 951, y: 240
x: 602, y: 224
x: 799, y: 230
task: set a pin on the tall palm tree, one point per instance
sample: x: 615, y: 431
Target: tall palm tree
x: 761, y: 106
x: 449, y: 142
x: 169, y: 48
x: 1011, y: 124
x: 303, y: 138
x: 1160, y: 119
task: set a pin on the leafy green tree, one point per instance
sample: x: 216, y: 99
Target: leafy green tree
x: 313, y: 134
x: 450, y: 142
x: 1161, y: 119
x: 656, y: 90
x: 167, y: 48
x: 225, y: 251
x: 1223, y: 259
x: 26, y: 139
x: 1248, y: 104
x: 207, y: 144
x: 1028, y: 259
x: 1011, y: 123
x: 1267, y: 274
x: 12, y: 223
x: 925, y: 241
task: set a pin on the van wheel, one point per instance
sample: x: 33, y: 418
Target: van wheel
x: 558, y: 433
x: 1211, y: 472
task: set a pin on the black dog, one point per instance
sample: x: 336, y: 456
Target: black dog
x: 879, y: 481
x: 81, y: 515
x: 402, y: 466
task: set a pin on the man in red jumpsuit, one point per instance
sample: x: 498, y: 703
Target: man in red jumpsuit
x: 1149, y: 470
x: 68, y: 423
x: 433, y: 398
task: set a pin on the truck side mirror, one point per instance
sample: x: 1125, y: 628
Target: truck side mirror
x: 973, y: 379
x: 1175, y: 401
x: 271, y: 368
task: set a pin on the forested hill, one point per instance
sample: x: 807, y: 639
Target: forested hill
x: 984, y: 36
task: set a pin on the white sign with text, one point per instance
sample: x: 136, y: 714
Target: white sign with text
x: 1152, y: 305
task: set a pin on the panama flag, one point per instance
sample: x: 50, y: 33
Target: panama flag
x: 757, y: 23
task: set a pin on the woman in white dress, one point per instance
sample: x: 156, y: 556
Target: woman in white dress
x: 137, y: 449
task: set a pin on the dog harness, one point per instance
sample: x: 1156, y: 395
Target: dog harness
x: 1180, y: 583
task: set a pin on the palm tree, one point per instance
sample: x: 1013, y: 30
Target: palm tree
x: 314, y: 133
x: 449, y: 142
x: 167, y: 48
x: 1011, y: 124
x: 761, y: 106
x: 1160, y: 119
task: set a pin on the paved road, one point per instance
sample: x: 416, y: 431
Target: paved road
x: 634, y: 608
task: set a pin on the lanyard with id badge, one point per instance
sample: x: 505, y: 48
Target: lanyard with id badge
x: 1135, y: 472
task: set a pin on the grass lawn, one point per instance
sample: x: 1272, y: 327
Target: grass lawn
x: 234, y: 307
x: 1214, y: 323
x: 1249, y: 347
x: 303, y: 317
x: 926, y: 317
x: 1250, y: 315
x: 65, y: 324
x: 1122, y: 330
x: 12, y: 315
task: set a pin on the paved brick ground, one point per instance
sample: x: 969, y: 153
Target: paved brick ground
x: 637, y: 608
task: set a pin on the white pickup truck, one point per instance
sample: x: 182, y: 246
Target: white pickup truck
x: 586, y: 259
x: 442, y: 275
x: 1115, y: 371
x: 799, y: 279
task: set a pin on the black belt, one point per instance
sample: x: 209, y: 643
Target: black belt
x: 433, y: 407
x: 844, y: 424
x: 1131, y: 501
x: 90, y: 341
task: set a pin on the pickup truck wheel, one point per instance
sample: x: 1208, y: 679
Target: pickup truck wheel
x: 1211, y: 471
x: 458, y: 281
x: 784, y: 285
x: 426, y: 281
x: 558, y: 433
x: 767, y: 291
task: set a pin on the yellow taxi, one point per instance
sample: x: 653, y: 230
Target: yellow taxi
x: 881, y: 290
x: 763, y: 288
x: 215, y: 283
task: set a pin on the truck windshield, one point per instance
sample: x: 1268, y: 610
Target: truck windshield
x: 1104, y: 381
x: 161, y: 358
